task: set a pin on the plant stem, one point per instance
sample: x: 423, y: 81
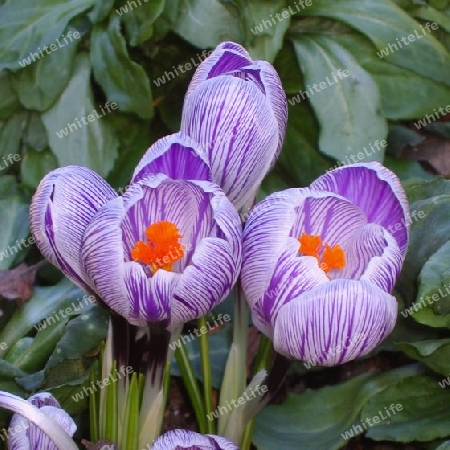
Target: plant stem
x: 206, y: 373
x: 188, y: 375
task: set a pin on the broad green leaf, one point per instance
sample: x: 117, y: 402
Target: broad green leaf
x: 90, y: 143
x: 41, y: 310
x: 427, y: 12
x: 444, y: 446
x: 35, y: 136
x: 383, y: 23
x: 264, y: 23
x: 139, y: 20
x: 11, y: 131
x: 9, y: 102
x: 434, y: 353
x: 36, y: 84
x: 35, y: 165
x: 406, y: 169
x: 219, y: 347
x: 441, y: 129
x: 100, y: 10
x: 205, y: 23
x: 432, y: 306
x: 397, y: 85
x: 300, y: 159
x: 27, y: 27
x: 81, y: 335
x: 353, y: 120
x: 400, y: 136
x: 124, y: 81
x: 418, y: 190
x: 287, y: 67
x: 424, y: 414
x: 321, y: 419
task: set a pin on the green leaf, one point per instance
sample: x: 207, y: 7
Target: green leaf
x: 139, y: 20
x: 406, y: 169
x: 27, y: 27
x: 205, y: 23
x: 34, y: 135
x: 287, y: 67
x: 424, y: 414
x: 46, y: 301
x: 263, y: 41
x: 353, y: 120
x: 219, y: 347
x: 36, y: 84
x: 318, y: 419
x: 434, y: 353
x: 11, y: 131
x: 9, y: 102
x: 101, y: 10
x: 383, y: 22
x: 35, y: 165
x: 93, y: 144
x: 124, y: 81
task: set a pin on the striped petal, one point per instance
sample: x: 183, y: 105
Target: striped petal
x: 335, y: 322
x: 45, y: 428
x: 189, y: 440
x: 177, y: 156
x: 104, y: 259
x: 236, y: 124
x: 293, y: 275
x: 266, y: 234
x: 377, y: 191
x: 62, y: 207
x: 373, y: 255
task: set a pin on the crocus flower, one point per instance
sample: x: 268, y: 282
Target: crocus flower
x: 39, y: 423
x: 184, y: 439
x: 236, y: 109
x: 319, y: 263
x: 167, y: 251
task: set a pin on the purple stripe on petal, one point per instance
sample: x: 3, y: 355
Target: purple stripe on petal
x: 335, y: 322
x: 328, y: 215
x: 235, y: 122
x: 207, y: 280
x: 189, y: 440
x: 103, y: 258
x: 150, y: 297
x: 183, y: 203
x: 292, y: 276
x: 177, y: 156
x: 64, y: 204
x: 377, y: 191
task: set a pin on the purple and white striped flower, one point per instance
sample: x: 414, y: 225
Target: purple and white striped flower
x: 167, y: 251
x: 319, y: 263
x: 236, y: 109
x: 184, y: 439
x: 38, y: 423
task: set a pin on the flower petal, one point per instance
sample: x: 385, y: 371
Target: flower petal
x: 266, y: 233
x: 177, y: 156
x: 335, y: 322
x: 189, y: 440
x: 104, y: 259
x: 62, y: 207
x: 292, y: 276
x: 235, y: 122
x: 58, y: 435
x: 373, y: 255
x: 377, y: 191
x: 206, y: 281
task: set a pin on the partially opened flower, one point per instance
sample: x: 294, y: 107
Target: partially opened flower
x: 236, y: 109
x: 184, y: 439
x: 319, y: 263
x: 167, y: 251
x: 39, y: 423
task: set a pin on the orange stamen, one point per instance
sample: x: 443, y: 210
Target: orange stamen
x: 332, y: 257
x: 310, y: 245
x: 162, y: 248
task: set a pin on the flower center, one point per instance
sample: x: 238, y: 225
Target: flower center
x: 162, y: 248
x: 329, y: 258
